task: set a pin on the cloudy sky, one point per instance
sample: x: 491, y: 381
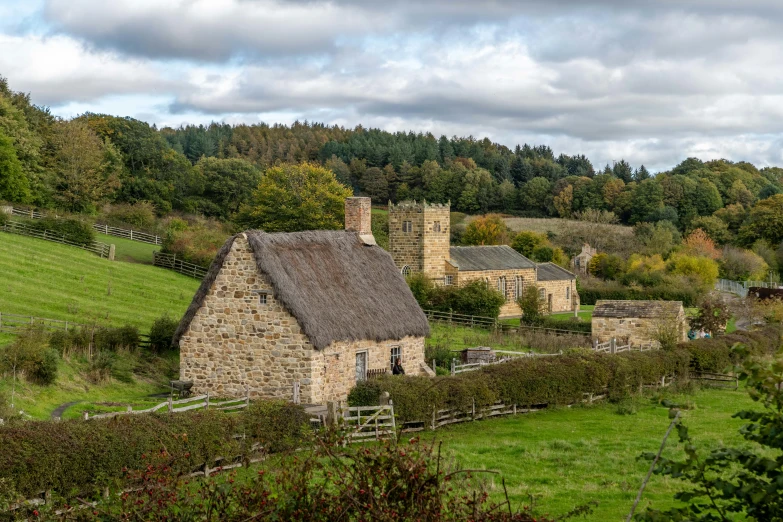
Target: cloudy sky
x: 649, y: 81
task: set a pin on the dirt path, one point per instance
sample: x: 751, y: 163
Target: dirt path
x: 58, y: 413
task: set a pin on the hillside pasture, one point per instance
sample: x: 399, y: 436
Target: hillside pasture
x: 54, y: 281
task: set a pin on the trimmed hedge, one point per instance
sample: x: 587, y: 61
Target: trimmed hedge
x: 688, y: 296
x: 560, y: 380
x: 77, y: 457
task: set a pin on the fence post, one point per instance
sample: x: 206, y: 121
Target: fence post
x: 171, y: 406
x: 474, y: 409
x: 453, y: 364
x: 206, y: 404
x: 595, y: 344
x: 612, y: 345
x: 112, y: 250
x: 331, y: 413
x: 432, y: 425
x: 131, y: 234
x: 433, y: 367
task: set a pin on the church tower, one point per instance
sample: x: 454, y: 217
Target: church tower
x: 419, y: 237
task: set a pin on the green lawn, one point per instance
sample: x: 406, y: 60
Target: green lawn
x: 129, y: 251
x: 585, y: 314
x: 55, y: 281
x: 569, y: 456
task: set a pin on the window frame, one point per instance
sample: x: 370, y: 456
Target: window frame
x: 502, y: 286
x: 436, y: 226
x: 392, y: 356
x: 520, y: 286
x: 448, y: 280
x: 406, y: 271
x: 407, y: 226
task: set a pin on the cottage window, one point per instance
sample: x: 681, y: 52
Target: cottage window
x: 449, y: 280
x: 542, y: 293
x: 436, y: 226
x: 262, y: 299
x: 520, y: 287
x: 396, y: 353
x: 502, y: 286
x: 406, y: 271
x: 407, y: 226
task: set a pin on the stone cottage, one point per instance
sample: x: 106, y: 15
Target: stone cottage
x: 323, y: 308
x: 419, y: 241
x: 638, y: 321
x: 582, y: 259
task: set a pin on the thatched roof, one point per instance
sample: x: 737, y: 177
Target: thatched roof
x: 646, y: 309
x: 502, y: 257
x: 337, y: 287
x: 552, y: 272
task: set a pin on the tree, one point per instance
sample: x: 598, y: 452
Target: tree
x: 532, y: 304
x: 765, y: 221
x: 700, y: 270
x: 622, y: 170
x: 647, y: 197
x: 715, y: 228
x: 536, y: 196
x: 525, y: 242
x: 228, y: 184
x: 698, y: 243
x: 14, y: 186
x: 487, y: 230
x: 713, y: 315
x: 737, y: 264
x: 341, y: 171
x: 564, y: 201
x: 606, y: 266
x: 733, y: 483
x: 87, y: 168
x: 296, y: 197
x: 375, y: 185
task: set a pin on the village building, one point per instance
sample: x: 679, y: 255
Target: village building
x: 318, y: 308
x: 419, y: 241
x: 581, y: 261
x: 638, y: 322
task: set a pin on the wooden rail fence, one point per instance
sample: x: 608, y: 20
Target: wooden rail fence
x: 14, y: 227
x: 14, y: 322
x: 179, y: 406
x: 490, y: 323
x: 171, y: 262
x: 133, y: 235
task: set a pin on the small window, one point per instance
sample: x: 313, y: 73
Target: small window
x: 502, y: 286
x: 396, y: 353
x: 542, y: 293
x: 568, y: 292
x: 406, y: 271
x: 520, y: 287
x: 436, y: 226
x: 449, y: 280
x: 262, y: 299
x: 407, y: 226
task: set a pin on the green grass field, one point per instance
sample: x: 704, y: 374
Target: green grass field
x: 129, y: 251
x: 55, y: 281
x: 569, y: 456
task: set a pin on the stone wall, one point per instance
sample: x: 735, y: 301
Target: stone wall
x: 637, y: 330
x: 424, y: 248
x: 358, y: 215
x: 236, y: 341
x: 510, y: 308
x: 557, y: 289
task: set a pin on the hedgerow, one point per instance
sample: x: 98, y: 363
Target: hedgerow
x: 560, y: 380
x: 81, y: 457
x: 588, y: 295
x: 73, y: 230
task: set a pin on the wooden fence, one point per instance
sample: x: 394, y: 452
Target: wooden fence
x: 181, y: 405
x: 171, y: 262
x: 14, y: 227
x: 721, y: 380
x: 490, y: 323
x: 14, y: 322
x: 133, y: 235
x: 363, y: 423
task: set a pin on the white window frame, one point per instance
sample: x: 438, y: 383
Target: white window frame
x: 502, y: 285
x: 542, y: 293
x: 448, y: 280
x: 520, y: 286
x: 406, y: 271
x: 394, y: 353
x: 407, y: 226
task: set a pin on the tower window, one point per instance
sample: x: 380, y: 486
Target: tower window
x: 407, y: 226
x: 406, y: 270
x: 436, y: 226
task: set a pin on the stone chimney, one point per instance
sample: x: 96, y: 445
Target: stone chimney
x: 358, y: 212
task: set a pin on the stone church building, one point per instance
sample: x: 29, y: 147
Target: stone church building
x: 419, y: 241
x: 323, y: 308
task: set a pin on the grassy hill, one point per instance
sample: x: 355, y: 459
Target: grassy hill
x: 55, y: 281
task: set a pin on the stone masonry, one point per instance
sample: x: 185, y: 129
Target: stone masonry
x: 358, y: 215
x: 238, y: 342
x: 562, y: 300
x: 638, y: 330
x: 425, y: 247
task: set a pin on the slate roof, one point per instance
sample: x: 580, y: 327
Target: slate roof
x: 645, y: 309
x: 335, y: 285
x: 502, y: 257
x: 552, y: 272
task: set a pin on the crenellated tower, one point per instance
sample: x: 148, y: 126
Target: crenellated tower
x: 419, y: 237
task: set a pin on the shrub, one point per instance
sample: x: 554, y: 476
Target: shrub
x: 702, y: 271
x: 30, y: 353
x: 113, y: 339
x: 138, y: 216
x: 197, y: 244
x: 4, y: 218
x: 573, y: 324
x: 474, y: 298
x: 487, y: 230
x: 533, y: 305
x: 78, y: 457
x: 161, y: 333
x: 606, y: 266
x: 73, y: 230
x: 742, y: 265
x: 589, y: 294
x: 525, y: 242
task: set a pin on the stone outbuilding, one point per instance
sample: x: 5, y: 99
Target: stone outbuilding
x: 638, y: 322
x: 321, y: 308
x: 419, y: 236
x: 580, y: 261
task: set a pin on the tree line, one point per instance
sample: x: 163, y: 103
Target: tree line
x: 212, y: 170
